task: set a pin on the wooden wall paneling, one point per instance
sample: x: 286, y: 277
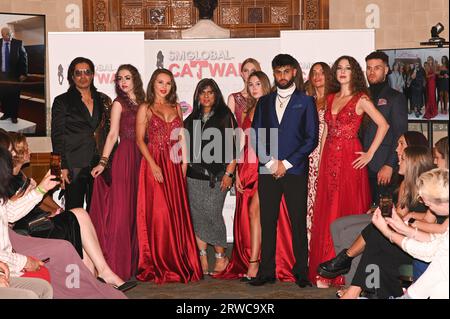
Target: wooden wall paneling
x: 165, y: 19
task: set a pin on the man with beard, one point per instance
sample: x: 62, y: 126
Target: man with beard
x: 392, y: 104
x: 283, y: 166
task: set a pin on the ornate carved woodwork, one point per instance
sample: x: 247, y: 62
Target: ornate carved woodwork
x: 164, y: 19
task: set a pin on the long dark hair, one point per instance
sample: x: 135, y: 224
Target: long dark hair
x: 415, y: 138
x: 171, y: 97
x: 6, y: 167
x: 328, y: 77
x: 138, y: 87
x: 5, y: 139
x: 219, y: 107
x: 358, y: 80
x: 71, y: 70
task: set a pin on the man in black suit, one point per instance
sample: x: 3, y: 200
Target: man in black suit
x: 393, y: 105
x: 283, y: 166
x: 76, y: 115
x: 13, y: 68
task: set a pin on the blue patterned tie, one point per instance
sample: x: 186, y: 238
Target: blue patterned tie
x: 6, y: 56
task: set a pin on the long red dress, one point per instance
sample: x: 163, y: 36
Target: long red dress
x: 285, y: 260
x: 167, y: 247
x: 431, y: 108
x: 341, y: 190
x: 113, y: 205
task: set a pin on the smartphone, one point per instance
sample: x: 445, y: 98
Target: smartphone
x: 46, y: 260
x: 55, y: 166
x: 386, y: 205
x: 24, y: 187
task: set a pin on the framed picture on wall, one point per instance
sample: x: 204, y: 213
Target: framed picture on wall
x: 422, y: 75
x: 23, y: 73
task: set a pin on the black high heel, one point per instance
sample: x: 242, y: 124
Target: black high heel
x: 127, y: 285
x: 246, y: 277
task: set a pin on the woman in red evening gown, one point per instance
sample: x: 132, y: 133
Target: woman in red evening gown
x: 167, y: 247
x: 113, y: 205
x: 343, y: 186
x: 237, y: 102
x: 431, y: 108
x: 247, y: 226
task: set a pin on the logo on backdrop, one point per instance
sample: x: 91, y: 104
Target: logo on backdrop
x: 60, y: 74
x: 202, y: 64
x: 160, y: 60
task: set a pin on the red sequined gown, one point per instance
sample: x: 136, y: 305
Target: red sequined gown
x: 238, y: 266
x: 167, y: 246
x: 341, y: 190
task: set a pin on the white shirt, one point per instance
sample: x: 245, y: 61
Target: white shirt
x: 434, y: 281
x: 281, y: 102
x: 9, y: 213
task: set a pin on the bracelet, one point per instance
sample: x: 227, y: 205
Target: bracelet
x: 41, y: 190
x: 230, y: 175
x: 103, y: 163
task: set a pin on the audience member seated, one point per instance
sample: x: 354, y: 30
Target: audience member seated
x: 344, y: 230
x: 22, y: 288
x: 375, y: 248
x: 434, y: 284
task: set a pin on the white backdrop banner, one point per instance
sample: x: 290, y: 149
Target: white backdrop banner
x: 326, y: 46
x: 107, y: 50
x: 192, y: 60
x: 220, y: 59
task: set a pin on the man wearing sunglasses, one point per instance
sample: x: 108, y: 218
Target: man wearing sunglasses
x: 76, y: 115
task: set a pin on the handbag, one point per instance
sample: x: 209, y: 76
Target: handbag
x: 37, y: 221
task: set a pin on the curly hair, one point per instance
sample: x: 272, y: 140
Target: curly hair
x: 138, y: 87
x: 171, y: 98
x: 358, y: 79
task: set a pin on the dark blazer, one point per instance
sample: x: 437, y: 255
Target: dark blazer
x: 298, y: 132
x: 73, y: 128
x: 393, y: 105
x: 18, y: 60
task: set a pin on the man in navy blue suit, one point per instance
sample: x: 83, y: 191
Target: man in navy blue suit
x: 285, y: 132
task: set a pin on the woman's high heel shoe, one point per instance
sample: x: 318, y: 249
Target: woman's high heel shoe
x: 246, y: 277
x: 226, y: 261
x: 203, y: 253
x: 127, y: 285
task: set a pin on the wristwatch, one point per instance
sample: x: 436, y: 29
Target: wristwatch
x: 230, y: 175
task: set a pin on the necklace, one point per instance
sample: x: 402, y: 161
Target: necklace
x: 285, y: 99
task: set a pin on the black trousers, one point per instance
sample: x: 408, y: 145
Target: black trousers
x: 10, y: 99
x: 378, y: 270
x: 79, y: 189
x: 294, y: 188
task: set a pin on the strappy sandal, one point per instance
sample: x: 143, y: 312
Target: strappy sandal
x: 246, y: 277
x: 220, y: 256
x: 203, y: 253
